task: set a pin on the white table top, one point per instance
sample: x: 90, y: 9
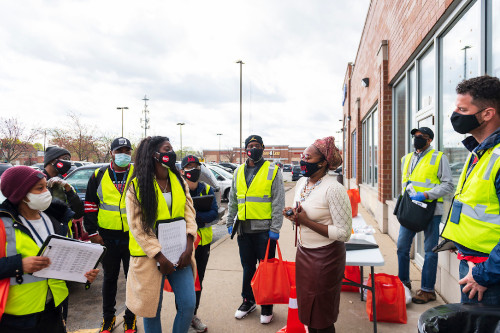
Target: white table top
x: 368, y: 257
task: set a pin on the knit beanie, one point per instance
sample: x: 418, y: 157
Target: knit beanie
x: 17, y: 181
x: 51, y: 153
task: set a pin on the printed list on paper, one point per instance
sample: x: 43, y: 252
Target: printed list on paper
x: 172, y: 237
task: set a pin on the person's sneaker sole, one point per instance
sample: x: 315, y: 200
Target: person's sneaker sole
x: 240, y: 314
x: 266, y: 319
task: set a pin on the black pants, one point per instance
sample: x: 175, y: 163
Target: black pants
x: 117, y: 252
x: 49, y: 320
x: 201, y: 255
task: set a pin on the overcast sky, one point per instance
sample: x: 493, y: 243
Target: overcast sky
x: 91, y: 57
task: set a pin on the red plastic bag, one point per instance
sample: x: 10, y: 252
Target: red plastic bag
x: 4, y: 283
x: 353, y: 273
x: 389, y: 298
x: 271, y: 282
x: 355, y: 199
x: 197, y: 286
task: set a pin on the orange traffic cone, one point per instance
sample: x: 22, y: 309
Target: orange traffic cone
x: 293, y: 325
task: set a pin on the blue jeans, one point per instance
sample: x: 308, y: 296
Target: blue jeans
x: 490, y: 297
x: 431, y: 238
x: 182, y: 283
x: 252, y: 249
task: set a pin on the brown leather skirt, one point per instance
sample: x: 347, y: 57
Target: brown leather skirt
x: 319, y: 274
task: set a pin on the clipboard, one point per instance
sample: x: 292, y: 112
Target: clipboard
x: 65, y: 256
x: 172, y: 237
x: 203, y: 203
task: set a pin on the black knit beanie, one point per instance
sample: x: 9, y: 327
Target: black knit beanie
x: 51, y: 153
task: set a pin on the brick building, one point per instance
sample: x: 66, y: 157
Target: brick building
x: 277, y: 153
x: 410, y: 58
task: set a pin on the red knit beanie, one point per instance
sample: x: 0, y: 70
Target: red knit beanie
x: 17, y: 181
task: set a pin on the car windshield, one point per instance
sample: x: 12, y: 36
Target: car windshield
x: 80, y: 178
x: 221, y: 171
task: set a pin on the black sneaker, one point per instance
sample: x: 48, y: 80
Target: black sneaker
x: 266, y: 314
x: 408, y: 284
x: 107, y: 325
x: 245, y: 308
x: 129, y: 325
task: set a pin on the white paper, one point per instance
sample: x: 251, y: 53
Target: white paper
x: 172, y: 237
x: 419, y: 203
x: 411, y: 191
x: 69, y: 259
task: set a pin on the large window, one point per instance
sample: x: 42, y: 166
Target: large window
x: 370, y: 148
x: 354, y: 154
x: 460, y: 54
x: 426, y: 79
x: 400, y: 132
x: 495, y: 37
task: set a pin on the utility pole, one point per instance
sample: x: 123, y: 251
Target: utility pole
x: 146, y: 118
x: 219, y: 135
x: 241, y: 138
x: 465, y: 60
x: 122, y: 108
x: 180, y: 128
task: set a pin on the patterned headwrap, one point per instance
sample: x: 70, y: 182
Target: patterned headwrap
x: 326, y: 146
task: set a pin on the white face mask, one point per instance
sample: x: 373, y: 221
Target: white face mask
x: 40, y: 201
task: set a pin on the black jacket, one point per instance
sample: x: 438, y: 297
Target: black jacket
x: 12, y: 266
x: 70, y: 197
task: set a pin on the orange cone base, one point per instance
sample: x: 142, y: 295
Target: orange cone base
x: 284, y: 330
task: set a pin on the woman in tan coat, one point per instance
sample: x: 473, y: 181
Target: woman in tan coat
x: 156, y: 194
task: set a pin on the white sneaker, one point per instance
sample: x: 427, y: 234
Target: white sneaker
x: 198, y: 326
x: 266, y: 319
x: 245, y: 308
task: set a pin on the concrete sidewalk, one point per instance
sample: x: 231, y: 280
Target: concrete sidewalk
x: 222, y: 288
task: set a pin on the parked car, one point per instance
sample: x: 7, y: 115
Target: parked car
x: 296, y: 174
x: 224, y: 179
x: 4, y: 166
x: 79, y: 178
x: 287, y: 168
x: 231, y: 166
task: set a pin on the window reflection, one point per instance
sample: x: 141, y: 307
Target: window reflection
x: 426, y: 79
x: 460, y: 60
x: 399, y: 122
x: 495, y: 32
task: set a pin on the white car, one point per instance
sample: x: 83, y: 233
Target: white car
x: 224, y: 180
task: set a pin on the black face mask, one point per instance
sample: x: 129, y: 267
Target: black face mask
x: 192, y: 175
x: 62, y: 166
x: 308, y: 169
x: 419, y: 142
x: 255, y: 154
x: 464, y: 123
x: 167, y: 159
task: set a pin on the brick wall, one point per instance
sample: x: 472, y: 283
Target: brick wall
x: 393, y: 31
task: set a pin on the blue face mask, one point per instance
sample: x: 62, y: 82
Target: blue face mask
x: 122, y: 160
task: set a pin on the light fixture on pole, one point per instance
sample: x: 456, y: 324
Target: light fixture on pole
x: 122, y: 108
x: 219, y: 135
x: 180, y: 128
x: 241, y: 138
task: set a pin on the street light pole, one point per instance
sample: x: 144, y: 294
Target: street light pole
x: 180, y: 128
x: 219, y: 135
x: 122, y: 108
x: 241, y: 138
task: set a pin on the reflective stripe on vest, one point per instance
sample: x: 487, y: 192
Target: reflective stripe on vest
x: 30, y: 296
x: 112, y: 212
x: 478, y: 227
x: 254, y: 203
x: 178, y: 208
x: 206, y: 233
x: 424, y: 175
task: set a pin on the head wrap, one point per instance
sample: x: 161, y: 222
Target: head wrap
x: 326, y: 146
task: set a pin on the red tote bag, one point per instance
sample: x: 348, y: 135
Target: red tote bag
x: 352, y: 274
x: 4, y: 283
x: 389, y: 298
x: 271, y: 283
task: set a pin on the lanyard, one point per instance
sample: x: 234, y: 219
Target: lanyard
x: 34, y: 230
x: 120, y: 188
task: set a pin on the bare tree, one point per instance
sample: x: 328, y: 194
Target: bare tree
x: 230, y: 154
x: 14, y: 139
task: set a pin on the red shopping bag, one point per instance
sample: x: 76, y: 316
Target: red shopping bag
x: 197, y: 286
x: 271, y: 282
x: 4, y: 283
x: 389, y: 298
x: 351, y: 274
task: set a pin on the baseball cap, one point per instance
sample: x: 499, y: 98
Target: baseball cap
x: 423, y: 130
x: 120, y: 142
x: 189, y: 159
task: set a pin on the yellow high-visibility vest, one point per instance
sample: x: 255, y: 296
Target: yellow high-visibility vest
x: 424, y: 176
x: 478, y: 227
x: 206, y: 233
x: 254, y: 203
